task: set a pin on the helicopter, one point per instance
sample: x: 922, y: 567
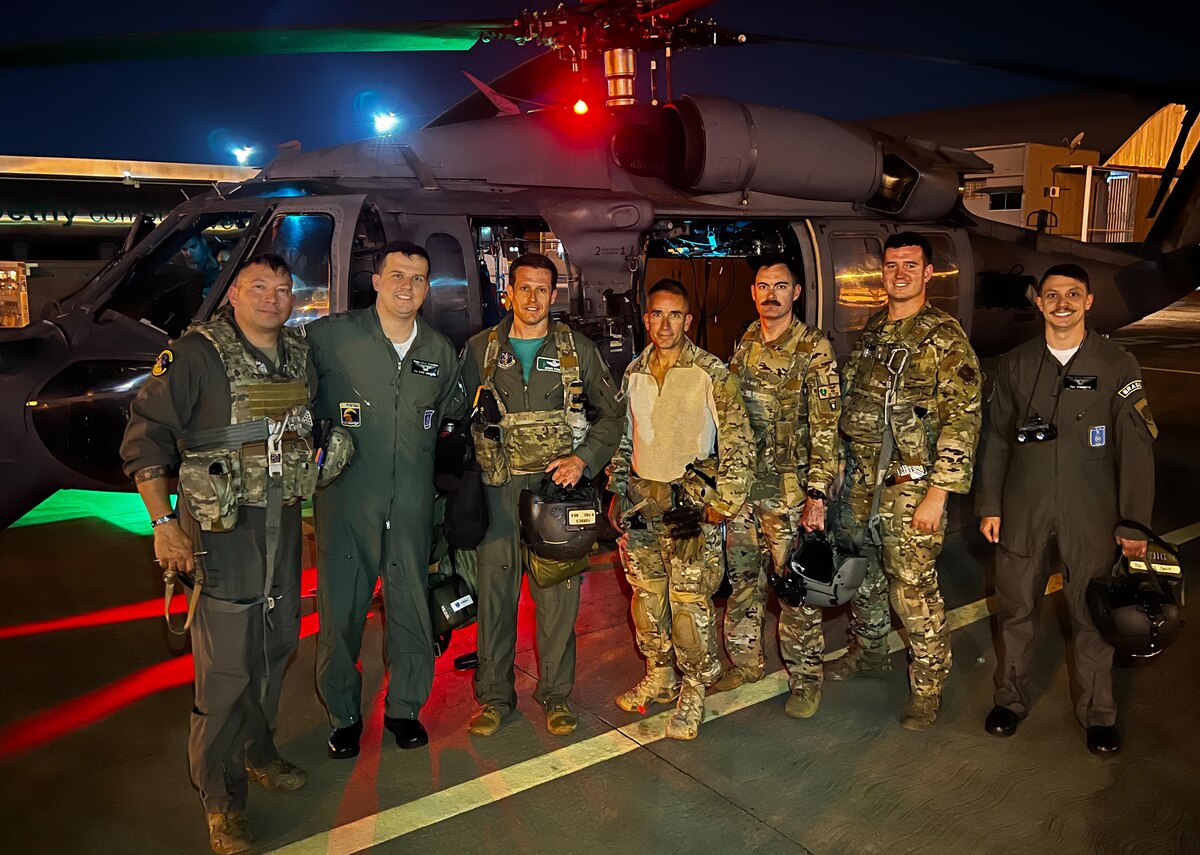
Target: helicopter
x: 620, y: 195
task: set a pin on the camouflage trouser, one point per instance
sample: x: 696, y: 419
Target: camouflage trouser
x: 672, y: 600
x: 908, y: 575
x: 800, y: 638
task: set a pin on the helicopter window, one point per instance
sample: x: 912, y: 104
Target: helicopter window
x: 942, y: 290
x: 369, y: 237
x: 498, y: 243
x: 166, y: 288
x: 858, y: 271
x: 304, y: 241
x: 446, y: 307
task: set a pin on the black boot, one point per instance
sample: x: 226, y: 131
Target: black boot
x: 1103, y: 739
x: 1001, y: 721
x: 409, y: 732
x: 343, y: 741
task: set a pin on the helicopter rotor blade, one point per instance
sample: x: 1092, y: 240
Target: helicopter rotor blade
x: 535, y: 77
x: 367, y: 38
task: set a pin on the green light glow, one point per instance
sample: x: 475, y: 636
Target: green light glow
x: 123, y: 510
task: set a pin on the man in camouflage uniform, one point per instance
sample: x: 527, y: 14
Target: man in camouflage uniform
x: 537, y: 375
x: 683, y: 466
x: 790, y: 385
x: 911, y: 384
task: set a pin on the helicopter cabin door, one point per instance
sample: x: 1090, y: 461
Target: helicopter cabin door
x: 850, y: 261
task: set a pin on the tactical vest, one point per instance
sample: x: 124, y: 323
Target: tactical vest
x: 777, y: 405
x: 912, y: 415
x: 530, y: 440
x: 223, y: 469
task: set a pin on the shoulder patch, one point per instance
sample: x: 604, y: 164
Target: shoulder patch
x: 1143, y: 409
x: 162, y: 363
x: 1129, y: 388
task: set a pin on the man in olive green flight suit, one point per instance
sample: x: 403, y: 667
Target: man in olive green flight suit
x: 529, y: 365
x: 792, y: 392
x: 389, y: 378
x: 1070, y: 492
x: 683, y: 466
x: 918, y: 356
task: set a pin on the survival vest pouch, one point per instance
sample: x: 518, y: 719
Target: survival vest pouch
x: 1137, y: 609
x: 334, y: 450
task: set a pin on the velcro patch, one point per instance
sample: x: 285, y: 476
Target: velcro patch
x: 1143, y: 410
x: 351, y: 414
x: 545, y: 363
x: 507, y: 359
x: 829, y: 391
x: 1129, y: 388
x: 162, y: 363
x: 425, y: 369
x: 1097, y: 435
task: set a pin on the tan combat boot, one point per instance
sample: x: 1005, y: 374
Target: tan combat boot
x: 859, y: 662
x: 689, y: 712
x: 486, y: 721
x: 734, y: 677
x: 921, y: 712
x: 803, y: 701
x: 278, y: 776
x: 659, y: 686
x: 229, y: 832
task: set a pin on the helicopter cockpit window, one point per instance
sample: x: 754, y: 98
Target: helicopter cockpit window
x: 858, y: 272
x: 446, y: 307
x: 166, y: 288
x: 305, y: 242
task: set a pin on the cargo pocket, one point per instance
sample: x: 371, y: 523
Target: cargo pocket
x: 211, y: 484
x: 489, y: 453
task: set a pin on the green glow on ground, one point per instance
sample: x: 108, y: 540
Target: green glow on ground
x: 123, y: 510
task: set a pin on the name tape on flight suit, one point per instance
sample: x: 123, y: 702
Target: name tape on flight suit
x: 1079, y: 381
x: 425, y: 369
x: 545, y: 363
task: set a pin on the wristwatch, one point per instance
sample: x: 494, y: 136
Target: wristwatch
x: 814, y: 493
x: 165, y: 518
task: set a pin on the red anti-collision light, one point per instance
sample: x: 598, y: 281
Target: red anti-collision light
x: 580, y: 107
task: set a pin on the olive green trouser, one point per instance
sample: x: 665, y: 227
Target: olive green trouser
x: 555, y: 609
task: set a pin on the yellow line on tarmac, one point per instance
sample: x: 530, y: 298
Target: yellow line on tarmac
x: 487, y: 789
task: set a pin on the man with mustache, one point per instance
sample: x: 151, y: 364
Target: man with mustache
x: 1068, y: 457
x: 792, y: 392
x: 911, y: 396
x: 554, y: 413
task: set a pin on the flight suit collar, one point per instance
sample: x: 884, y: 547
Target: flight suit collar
x: 1090, y: 342
x: 504, y: 331
x: 273, y: 365
x: 371, y: 323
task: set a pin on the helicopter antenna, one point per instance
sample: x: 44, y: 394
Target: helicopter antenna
x: 220, y: 195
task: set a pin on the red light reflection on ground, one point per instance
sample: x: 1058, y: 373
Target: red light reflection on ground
x: 49, y: 725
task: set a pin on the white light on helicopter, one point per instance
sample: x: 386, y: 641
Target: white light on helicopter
x: 243, y: 154
x: 385, y: 123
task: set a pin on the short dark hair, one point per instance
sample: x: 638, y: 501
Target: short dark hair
x: 403, y: 247
x: 268, y: 259
x: 534, y: 261
x: 670, y: 286
x: 1069, y: 270
x: 758, y: 262
x: 910, y: 239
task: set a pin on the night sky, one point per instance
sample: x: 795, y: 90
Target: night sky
x: 197, y: 110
